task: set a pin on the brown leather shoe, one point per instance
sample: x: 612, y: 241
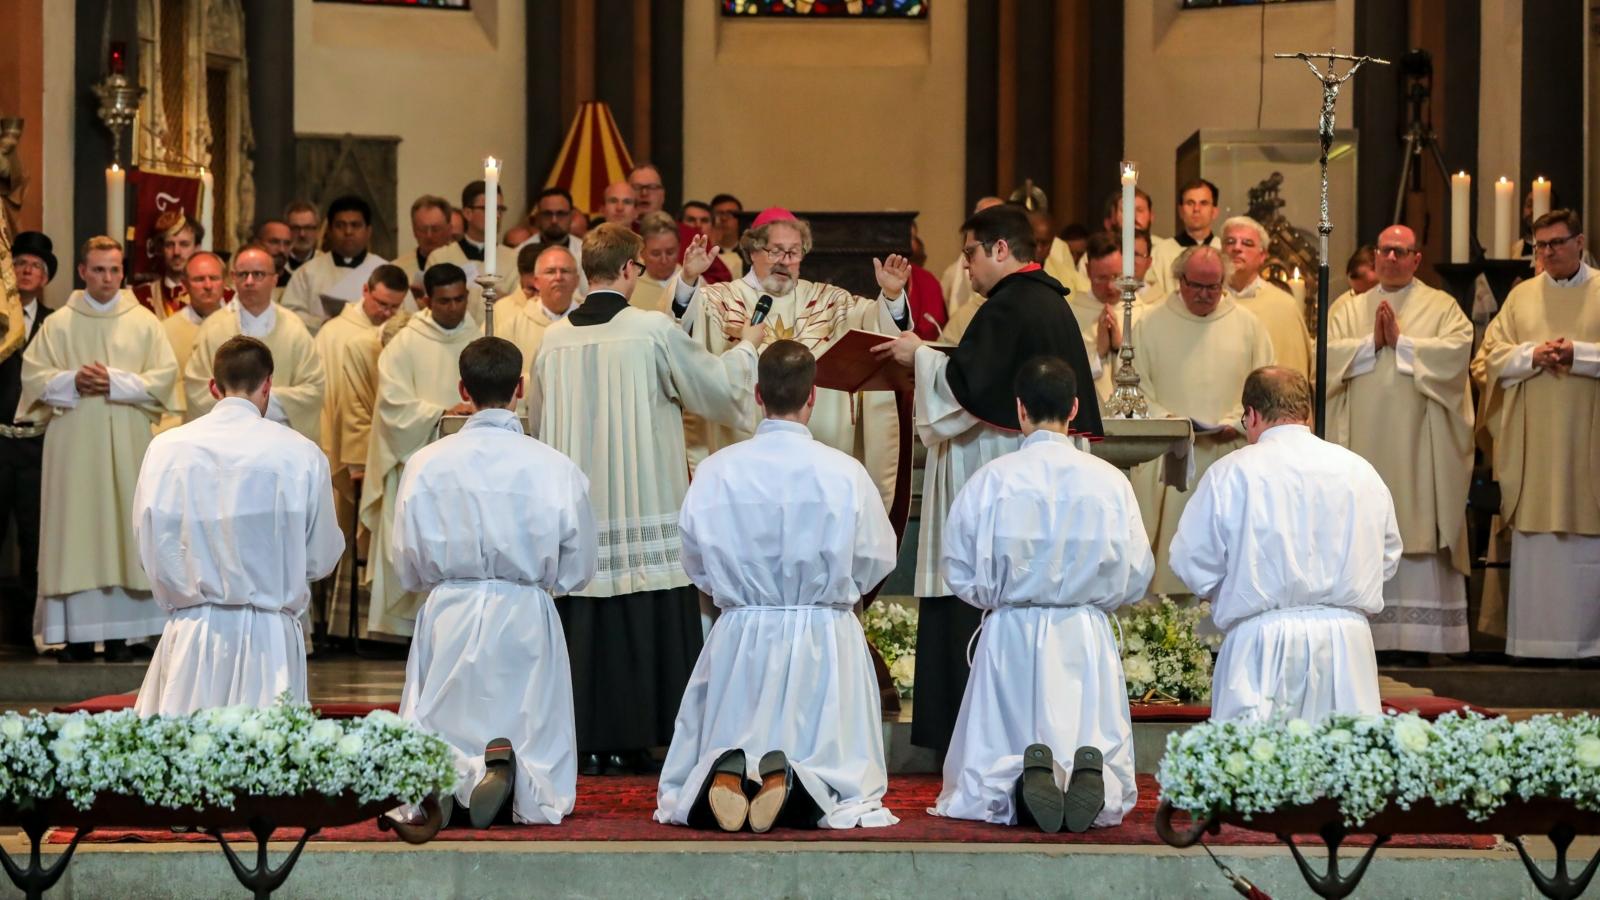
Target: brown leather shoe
x: 777, y: 779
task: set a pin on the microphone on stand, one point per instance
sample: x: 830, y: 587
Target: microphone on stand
x: 763, y: 306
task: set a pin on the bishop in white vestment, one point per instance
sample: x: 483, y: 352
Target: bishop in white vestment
x: 234, y: 518
x: 489, y: 524
x: 1291, y: 538
x: 1047, y: 541
x: 785, y: 534
x: 813, y: 314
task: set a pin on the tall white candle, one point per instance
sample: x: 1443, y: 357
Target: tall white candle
x: 1460, y: 217
x: 1297, y: 286
x: 1130, y: 177
x: 491, y: 210
x: 208, y: 207
x: 116, y: 203
x: 1541, y: 197
x: 1505, y: 192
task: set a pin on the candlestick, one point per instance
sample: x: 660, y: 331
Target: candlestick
x: 1460, y: 217
x: 208, y: 206
x: 491, y: 209
x: 1541, y: 198
x: 1297, y: 286
x: 1130, y: 177
x: 1505, y: 192
x: 116, y: 203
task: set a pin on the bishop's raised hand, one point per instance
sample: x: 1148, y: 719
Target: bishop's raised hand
x: 892, y: 274
x: 697, y: 258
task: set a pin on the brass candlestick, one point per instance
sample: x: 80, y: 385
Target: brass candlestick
x: 1127, y: 400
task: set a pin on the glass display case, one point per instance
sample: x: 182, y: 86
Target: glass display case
x: 1238, y: 161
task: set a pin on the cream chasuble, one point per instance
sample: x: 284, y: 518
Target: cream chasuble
x: 1285, y: 319
x: 299, y: 383
x: 180, y: 330
x: 864, y: 425
x: 526, y: 328
x: 957, y: 287
x: 1193, y: 367
x: 331, y: 343
x: 652, y: 295
x: 419, y: 377
x: 1407, y: 411
x: 321, y: 278
x: 91, y: 583
x: 1546, y: 429
x: 1087, y: 310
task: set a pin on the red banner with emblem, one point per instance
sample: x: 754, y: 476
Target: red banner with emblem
x: 158, y: 198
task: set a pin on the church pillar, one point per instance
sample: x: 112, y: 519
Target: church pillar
x: 269, y: 56
x: 22, y: 94
x: 983, y: 89
x: 1100, y: 134
x: 1555, y: 36
x: 97, y: 20
x: 1381, y: 31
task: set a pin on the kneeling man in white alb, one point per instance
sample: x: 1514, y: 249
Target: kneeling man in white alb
x: 1047, y: 540
x: 1292, y: 539
x: 781, y: 722
x: 234, y: 517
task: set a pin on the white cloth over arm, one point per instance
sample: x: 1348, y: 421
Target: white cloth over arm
x: 234, y: 518
x: 1048, y: 539
x: 490, y: 523
x: 785, y: 534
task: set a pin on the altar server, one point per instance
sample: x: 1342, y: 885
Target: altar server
x: 234, y: 517
x: 1046, y: 696
x: 1291, y: 538
x: 489, y: 523
x: 785, y: 534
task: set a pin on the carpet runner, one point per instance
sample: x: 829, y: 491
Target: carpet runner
x: 619, y: 808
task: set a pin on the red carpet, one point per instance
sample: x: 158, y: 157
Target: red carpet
x: 619, y: 809
x: 1427, y: 707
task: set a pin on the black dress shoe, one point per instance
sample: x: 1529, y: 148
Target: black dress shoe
x: 118, y: 652
x: 721, y: 801
x: 76, y: 653
x: 643, y: 763
x: 589, y: 764
x: 1086, y: 790
x: 491, y: 794
x: 1040, y: 801
x: 777, y: 779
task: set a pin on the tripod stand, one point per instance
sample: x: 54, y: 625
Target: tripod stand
x: 1417, y: 67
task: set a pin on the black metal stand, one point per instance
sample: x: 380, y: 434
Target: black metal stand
x: 263, y: 879
x: 1561, y: 886
x: 36, y: 878
x: 1330, y: 883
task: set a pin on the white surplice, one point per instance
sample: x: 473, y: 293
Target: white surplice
x: 785, y: 534
x: 490, y: 523
x: 1048, y: 541
x: 1291, y: 538
x: 234, y: 518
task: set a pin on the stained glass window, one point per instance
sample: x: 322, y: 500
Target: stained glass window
x: 888, y: 9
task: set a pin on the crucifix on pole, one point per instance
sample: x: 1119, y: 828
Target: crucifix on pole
x: 1331, y: 82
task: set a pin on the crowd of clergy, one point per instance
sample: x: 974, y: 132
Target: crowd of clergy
x: 629, y: 519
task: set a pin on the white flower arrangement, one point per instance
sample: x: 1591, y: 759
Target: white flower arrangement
x: 212, y: 758
x: 892, y: 629
x: 1161, y: 651
x: 1365, y: 764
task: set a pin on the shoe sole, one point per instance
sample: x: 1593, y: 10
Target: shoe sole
x: 491, y: 794
x: 774, y: 792
x: 727, y: 801
x: 1039, y: 792
x: 1086, y: 790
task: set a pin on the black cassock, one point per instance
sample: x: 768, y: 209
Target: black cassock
x: 1026, y: 315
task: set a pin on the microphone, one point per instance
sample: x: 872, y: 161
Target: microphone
x: 763, y: 306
